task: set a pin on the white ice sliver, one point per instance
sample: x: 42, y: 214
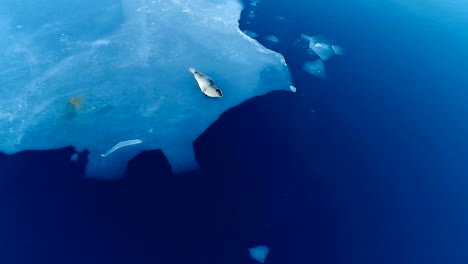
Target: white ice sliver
x: 122, y: 144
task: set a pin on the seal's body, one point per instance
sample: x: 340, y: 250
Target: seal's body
x: 207, y: 85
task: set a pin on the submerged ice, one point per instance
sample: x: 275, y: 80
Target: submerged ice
x: 121, y: 76
x: 316, y: 68
x: 259, y: 253
x: 272, y: 38
x: 324, y: 48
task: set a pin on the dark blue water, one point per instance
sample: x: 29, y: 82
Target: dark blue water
x: 369, y: 166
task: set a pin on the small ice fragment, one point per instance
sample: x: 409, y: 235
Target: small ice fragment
x: 250, y: 34
x: 323, y: 50
x: 322, y: 46
x: 316, y: 68
x: 259, y: 253
x: 254, y: 2
x: 122, y: 144
x: 293, y: 89
x: 74, y: 157
x: 337, y: 49
x: 272, y: 38
x: 19, y: 26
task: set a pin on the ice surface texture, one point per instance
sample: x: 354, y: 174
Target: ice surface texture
x: 94, y: 77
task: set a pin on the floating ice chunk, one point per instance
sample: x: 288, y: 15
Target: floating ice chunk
x: 250, y: 34
x: 122, y: 144
x: 316, y: 68
x: 272, y: 38
x: 292, y: 88
x: 259, y: 253
x: 322, y: 46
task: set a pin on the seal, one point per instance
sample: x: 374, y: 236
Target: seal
x: 207, y: 85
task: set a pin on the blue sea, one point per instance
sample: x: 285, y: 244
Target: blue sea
x: 369, y: 165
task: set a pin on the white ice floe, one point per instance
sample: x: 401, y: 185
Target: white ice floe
x: 125, y: 76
